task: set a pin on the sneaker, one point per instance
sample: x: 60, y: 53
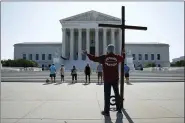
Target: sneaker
x: 105, y: 114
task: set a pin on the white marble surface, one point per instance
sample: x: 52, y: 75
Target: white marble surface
x: 18, y: 69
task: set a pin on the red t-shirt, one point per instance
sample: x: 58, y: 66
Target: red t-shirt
x: 110, y: 64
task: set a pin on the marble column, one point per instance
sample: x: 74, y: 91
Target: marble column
x: 79, y: 44
x: 104, y: 40
x: 71, y: 44
x: 113, y: 37
x: 97, y: 41
x: 63, y: 42
x: 87, y: 40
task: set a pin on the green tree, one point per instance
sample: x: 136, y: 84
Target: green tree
x: 19, y: 63
x: 180, y: 63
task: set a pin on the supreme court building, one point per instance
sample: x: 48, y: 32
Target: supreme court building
x: 81, y: 32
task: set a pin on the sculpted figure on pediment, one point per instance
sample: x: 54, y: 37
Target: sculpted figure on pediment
x: 92, y: 16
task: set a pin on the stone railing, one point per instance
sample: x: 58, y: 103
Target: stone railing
x: 31, y: 69
x: 9, y: 69
x: 18, y: 69
x: 156, y: 69
x: 164, y: 69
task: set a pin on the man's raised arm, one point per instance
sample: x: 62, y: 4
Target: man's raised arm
x: 93, y: 57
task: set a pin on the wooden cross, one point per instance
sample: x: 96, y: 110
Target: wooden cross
x: 123, y: 27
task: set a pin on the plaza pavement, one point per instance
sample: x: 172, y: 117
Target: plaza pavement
x: 78, y: 103
x: 33, y: 101
x: 137, y: 76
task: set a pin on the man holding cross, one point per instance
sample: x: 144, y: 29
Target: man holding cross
x: 122, y: 26
x: 110, y: 63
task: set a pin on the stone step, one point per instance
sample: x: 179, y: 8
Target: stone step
x: 92, y: 77
x: 83, y: 80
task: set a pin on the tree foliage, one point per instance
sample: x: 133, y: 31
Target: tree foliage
x: 19, y: 63
x: 180, y: 63
x: 150, y: 65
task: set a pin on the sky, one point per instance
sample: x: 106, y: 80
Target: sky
x: 39, y: 22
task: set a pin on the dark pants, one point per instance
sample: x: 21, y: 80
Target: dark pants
x: 74, y: 76
x: 62, y: 77
x: 107, y: 93
x: 89, y: 76
x: 126, y: 75
x: 52, y: 75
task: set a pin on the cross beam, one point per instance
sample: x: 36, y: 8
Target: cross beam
x: 123, y: 27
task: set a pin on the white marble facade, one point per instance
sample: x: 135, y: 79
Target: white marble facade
x: 94, y: 41
x: 81, y: 32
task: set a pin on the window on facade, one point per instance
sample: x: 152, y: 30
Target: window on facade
x: 134, y: 56
x: 43, y: 56
x: 146, y: 56
x: 30, y: 56
x: 49, y: 57
x: 24, y: 56
x: 152, y: 56
x: 140, y: 56
x: 37, y: 57
x: 158, y: 57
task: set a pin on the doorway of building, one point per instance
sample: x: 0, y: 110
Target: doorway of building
x: 92, y: 50
x: 92, y: 47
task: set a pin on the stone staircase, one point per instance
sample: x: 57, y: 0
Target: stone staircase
x: 80, y: 64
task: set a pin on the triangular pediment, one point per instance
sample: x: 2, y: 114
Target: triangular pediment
x: 92, y: 16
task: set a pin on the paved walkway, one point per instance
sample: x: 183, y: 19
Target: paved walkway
x: 78, y: 103
x: 136, y: 76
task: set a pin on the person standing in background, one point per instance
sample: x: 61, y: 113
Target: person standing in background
x: 100, y: 72
x: 87, y: 72
x: 62, y: 70
x: 52, y: 72
x: 74, y: 74
x: 126, y: 70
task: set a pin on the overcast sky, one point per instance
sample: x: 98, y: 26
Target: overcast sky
x: 39, y: 22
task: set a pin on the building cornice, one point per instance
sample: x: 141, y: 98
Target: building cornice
x: 60, y: 43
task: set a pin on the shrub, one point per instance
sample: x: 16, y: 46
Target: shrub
x: 19, y: 63
x: 180, y: 63
x: 149, y: 65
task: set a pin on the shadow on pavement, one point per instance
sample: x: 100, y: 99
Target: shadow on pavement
x: 47, y: 83
x: 127, y: 116
x: 99, y: 83
x: 85, y: 84
x: 58, y: 83
x: 119, y: 118
x: 107, y: 119
x: 71, y: 83
x: 129, y: 84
